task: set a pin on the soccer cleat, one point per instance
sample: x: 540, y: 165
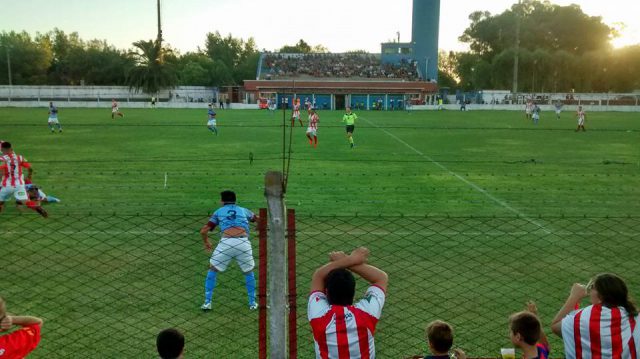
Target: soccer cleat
x: 206, y: 307
x: 253, y: 306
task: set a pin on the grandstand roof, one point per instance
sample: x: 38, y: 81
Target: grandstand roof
x: 319, y: 86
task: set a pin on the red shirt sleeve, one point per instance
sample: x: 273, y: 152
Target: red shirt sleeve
x: 25, y: 164
x: 20, y: 343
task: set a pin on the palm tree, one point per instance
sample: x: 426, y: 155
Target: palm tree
x: 150, y: 72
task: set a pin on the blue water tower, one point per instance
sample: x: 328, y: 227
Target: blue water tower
x: 425, y: 32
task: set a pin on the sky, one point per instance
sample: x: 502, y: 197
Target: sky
x: 339, y: 25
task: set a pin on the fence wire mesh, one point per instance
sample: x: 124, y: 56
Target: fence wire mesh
x: 471, y: 272
x: 107, y: 284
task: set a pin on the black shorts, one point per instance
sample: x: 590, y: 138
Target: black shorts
x: 350, y: 128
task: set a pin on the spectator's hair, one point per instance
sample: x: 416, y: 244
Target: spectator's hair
x: 170, y: 343
x: 228, y: 197
x: 6, y: 145
x: 440, y: 336
x: 340, y: 286
x: 613, y: 292
x: 527, y: 325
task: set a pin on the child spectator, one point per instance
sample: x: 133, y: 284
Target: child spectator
x: 170, y: 344
x: 526, y: 333
x: 440, y: 341
x: 21, y: 342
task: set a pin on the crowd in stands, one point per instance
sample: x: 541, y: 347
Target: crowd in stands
x: 364, y: 66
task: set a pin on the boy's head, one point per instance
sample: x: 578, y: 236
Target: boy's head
x: 228, y: 197
x: 340, y: 286
x: 439, y: 336
x: 170, y: 344
x: 524, y: 328
x: 5, y: 147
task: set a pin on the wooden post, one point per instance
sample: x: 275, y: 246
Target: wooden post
x: 277, y: 275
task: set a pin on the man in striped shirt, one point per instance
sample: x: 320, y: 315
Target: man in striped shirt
x: 12, y: 185
x: 312, y: 128
x: 340, y: 329
x: 608, y: 328
x: 296, y: 113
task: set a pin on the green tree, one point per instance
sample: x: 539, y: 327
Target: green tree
x: 300, y: 48
x: 558, y: 45
x: 30, y: 59
x: 234, y: 59
x: 153, y: 68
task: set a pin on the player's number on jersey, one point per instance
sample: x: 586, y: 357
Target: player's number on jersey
x: 231, y: 215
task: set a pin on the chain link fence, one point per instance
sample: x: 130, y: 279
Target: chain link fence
x: 471, y: 272
x: 107, y: 284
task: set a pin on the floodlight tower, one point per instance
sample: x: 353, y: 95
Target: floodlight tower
x: 425, y: 33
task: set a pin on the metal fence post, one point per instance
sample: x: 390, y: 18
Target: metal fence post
x: 277, y: 279
x: 262, y: 284
x: 293, y: 293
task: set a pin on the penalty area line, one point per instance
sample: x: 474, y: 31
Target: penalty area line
x: 464, y: 180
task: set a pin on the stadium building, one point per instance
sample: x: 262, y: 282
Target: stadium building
x: 400, y: 73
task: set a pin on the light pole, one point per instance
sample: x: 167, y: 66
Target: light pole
x: 517, y: 50
x: 7, y: 48
x: 426, y: 70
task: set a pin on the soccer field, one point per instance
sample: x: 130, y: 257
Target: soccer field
x: 471, y: 214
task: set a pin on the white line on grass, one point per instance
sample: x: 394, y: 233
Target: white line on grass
x: 471, y: 184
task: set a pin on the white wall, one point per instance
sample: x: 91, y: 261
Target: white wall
x: 102, y: 93
x: 566, y: 108
x: 123, y: 105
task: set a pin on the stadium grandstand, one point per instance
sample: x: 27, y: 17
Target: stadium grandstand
x: 401, y: 73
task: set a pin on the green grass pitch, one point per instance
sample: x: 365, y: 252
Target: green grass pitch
x: 470, y: 213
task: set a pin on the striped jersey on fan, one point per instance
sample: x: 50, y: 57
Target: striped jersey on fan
x: 345, y: 332
x: 599, y: 332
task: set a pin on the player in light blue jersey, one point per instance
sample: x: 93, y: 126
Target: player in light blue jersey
x: 233, y: 221
x: 53, y: 118
x: 211, y: 125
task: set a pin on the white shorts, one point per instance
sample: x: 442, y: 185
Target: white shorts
x: 211, y: 123
x: 18, y: 192
x: 558, y: 112
x: 528, y: 112
x: 114, y: 109
x: 312, y: 132
x: 581, y: 122
x: 53, y: 120
x: 233, y: 248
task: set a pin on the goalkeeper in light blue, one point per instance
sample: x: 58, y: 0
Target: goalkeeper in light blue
x: 234, y: 244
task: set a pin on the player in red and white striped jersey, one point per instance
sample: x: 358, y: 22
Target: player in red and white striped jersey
x: 296, y: 113
x: 608, y: 328
x: 12, y: 184
x: 312, y: 128
x: 341, y: 329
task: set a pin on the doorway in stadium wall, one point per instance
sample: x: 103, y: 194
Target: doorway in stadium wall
x: 340, y: 101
